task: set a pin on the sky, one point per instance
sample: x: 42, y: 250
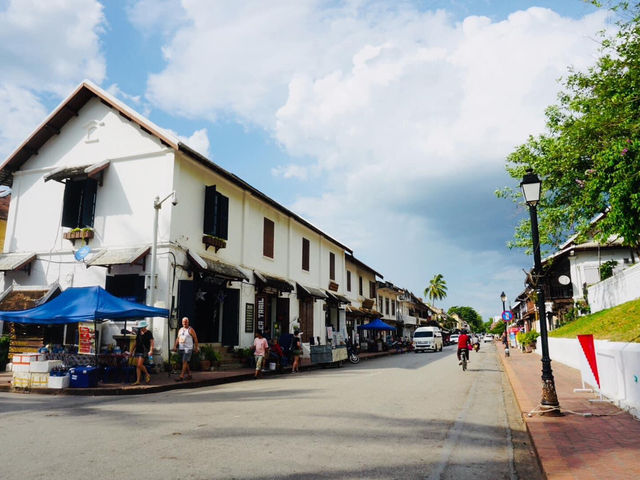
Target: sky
x: 384, y: 123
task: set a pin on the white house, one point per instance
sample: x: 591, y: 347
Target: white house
x: 228, y: 256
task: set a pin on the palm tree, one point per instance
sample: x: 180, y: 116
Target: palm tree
x: 437, y: 289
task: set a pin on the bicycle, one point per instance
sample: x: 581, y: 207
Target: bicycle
x: 463, y: 359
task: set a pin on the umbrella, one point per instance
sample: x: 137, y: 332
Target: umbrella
x: 377, y: 324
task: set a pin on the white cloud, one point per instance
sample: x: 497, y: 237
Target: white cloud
x: 380, y: 101
x: 199, y: 141
x: 45, y: 48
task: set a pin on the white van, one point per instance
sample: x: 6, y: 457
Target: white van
x: 427, y: 338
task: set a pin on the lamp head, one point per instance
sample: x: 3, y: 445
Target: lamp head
x: 503, y: 297
x: 531, y: 186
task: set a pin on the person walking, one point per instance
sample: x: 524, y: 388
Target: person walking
x: 143, y: 348
x: 260, y: 349
x: 186, y: 344
x: 296, y: 351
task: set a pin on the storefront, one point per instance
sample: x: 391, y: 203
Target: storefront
x: 211, y: 300
x: 306, y: 298
x: 272, y: 311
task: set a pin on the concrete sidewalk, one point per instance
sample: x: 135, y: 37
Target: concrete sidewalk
x: 603, y: 445
x: 161, y: 382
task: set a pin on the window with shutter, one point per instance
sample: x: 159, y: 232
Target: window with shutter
x: 267, y: 238
x: 348, y: 281
x: 372, y: 290
x: 386, y: 305
x: 305, y: 254
x: 79, y: 203
x: 332, y: 266
x: 360, y: 286
x: 393, y: 307
x: 216, y: 213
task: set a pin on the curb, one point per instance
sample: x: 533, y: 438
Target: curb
x: 511, y: 377
x: 144, y: 389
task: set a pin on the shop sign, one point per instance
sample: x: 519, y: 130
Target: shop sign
x: 249, y: 318
x: 86, y: 338
x: 333, y: 286
x: 261, y: 313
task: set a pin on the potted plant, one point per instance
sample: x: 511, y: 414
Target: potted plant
x: 208, y: 357
x: 530, y: 340
x: 176, y: 362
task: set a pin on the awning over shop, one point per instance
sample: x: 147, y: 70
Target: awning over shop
x: 78, y: 172
x: 215, y: 267
x: 338, y: 298
x: 376, y: 324
x: 120, y: 256
x: 363, y: 312
x: 17, y: 298
x: 276, y: 283
x: 310, y: 292
x: 16, y: 261
x: 83, y: 304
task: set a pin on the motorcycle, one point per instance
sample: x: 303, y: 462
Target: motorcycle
x: 352, y: 353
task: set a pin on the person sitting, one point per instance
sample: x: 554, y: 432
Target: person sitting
x: 276, y: 354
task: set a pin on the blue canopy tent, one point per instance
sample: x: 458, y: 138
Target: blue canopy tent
x: 377, y: 324
x: 83, y: 304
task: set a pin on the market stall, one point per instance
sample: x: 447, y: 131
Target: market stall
x: 86, y: 306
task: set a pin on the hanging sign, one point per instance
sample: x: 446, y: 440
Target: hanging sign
x: 86, y: 338
x: 261, y: 313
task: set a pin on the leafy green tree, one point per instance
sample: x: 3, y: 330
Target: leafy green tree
x: 469, y: 315
x: 499, y: 328
x: 589, y: 156
x: 437, y: 289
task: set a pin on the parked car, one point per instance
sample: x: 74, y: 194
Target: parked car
x: 453, y: 339
x: 427, y: 338
x: 488, y: 338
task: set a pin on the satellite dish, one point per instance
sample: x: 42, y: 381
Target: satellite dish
x: 564, y: 280
x: 82, y: 252
x: 5, y: 191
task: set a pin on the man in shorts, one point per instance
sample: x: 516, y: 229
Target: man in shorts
x: 260, y: 350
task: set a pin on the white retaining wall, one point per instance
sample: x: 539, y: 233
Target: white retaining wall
x: 620, y: 288
x: 618, y: 368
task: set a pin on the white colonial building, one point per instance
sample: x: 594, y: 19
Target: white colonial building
x: 228, y: 256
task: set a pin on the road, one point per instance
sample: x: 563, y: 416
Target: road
x: 403, y: 417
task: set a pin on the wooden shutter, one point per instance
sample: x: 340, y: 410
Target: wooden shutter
x: 348, y: 281
x: 372, y: 290
x: 267, y: 238
x: 71, y: 204
x: 209, y: 226
x: 88, y: 202
x: 332, y: 265
x: 360, y: 286
x: 223, y: 217
x: 305, y: 254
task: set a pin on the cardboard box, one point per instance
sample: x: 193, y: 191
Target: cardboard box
x: 45, y: 366
x: 26, y: 358
x: 21, y: 380
x: 21, y: 367
x: 59, y: 382
x: 9, y: 368
x: 39, y: 380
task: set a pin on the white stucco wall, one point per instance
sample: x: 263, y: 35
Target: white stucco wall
x: 618, y: 368
x: 622, y: 287
x: 584, y: 266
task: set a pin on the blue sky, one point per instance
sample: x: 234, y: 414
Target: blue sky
x: 384, y: 123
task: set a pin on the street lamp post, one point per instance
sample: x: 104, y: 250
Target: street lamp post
x: 531, y: 187
x: 503, y: 297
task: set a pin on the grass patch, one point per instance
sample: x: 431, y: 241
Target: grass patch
x: 617, y: 324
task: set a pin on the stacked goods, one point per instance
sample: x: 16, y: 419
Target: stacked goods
x: 31, y: 370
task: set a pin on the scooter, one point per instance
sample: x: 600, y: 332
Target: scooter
x: 352, y: 353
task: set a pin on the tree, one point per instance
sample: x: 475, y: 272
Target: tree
x: 437, y: 289
x: 589, y: 157
x: 469, y: 315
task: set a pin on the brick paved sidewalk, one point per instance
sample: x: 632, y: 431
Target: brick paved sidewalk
x: 573, y: 446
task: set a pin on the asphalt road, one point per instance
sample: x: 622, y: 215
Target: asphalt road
x: 411, y: 416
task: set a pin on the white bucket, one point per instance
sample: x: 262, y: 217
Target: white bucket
x: 272, y: 366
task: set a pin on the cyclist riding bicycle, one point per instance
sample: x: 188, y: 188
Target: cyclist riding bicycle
x: 464, y: 345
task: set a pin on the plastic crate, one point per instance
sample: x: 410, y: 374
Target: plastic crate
x: 83, y: 377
